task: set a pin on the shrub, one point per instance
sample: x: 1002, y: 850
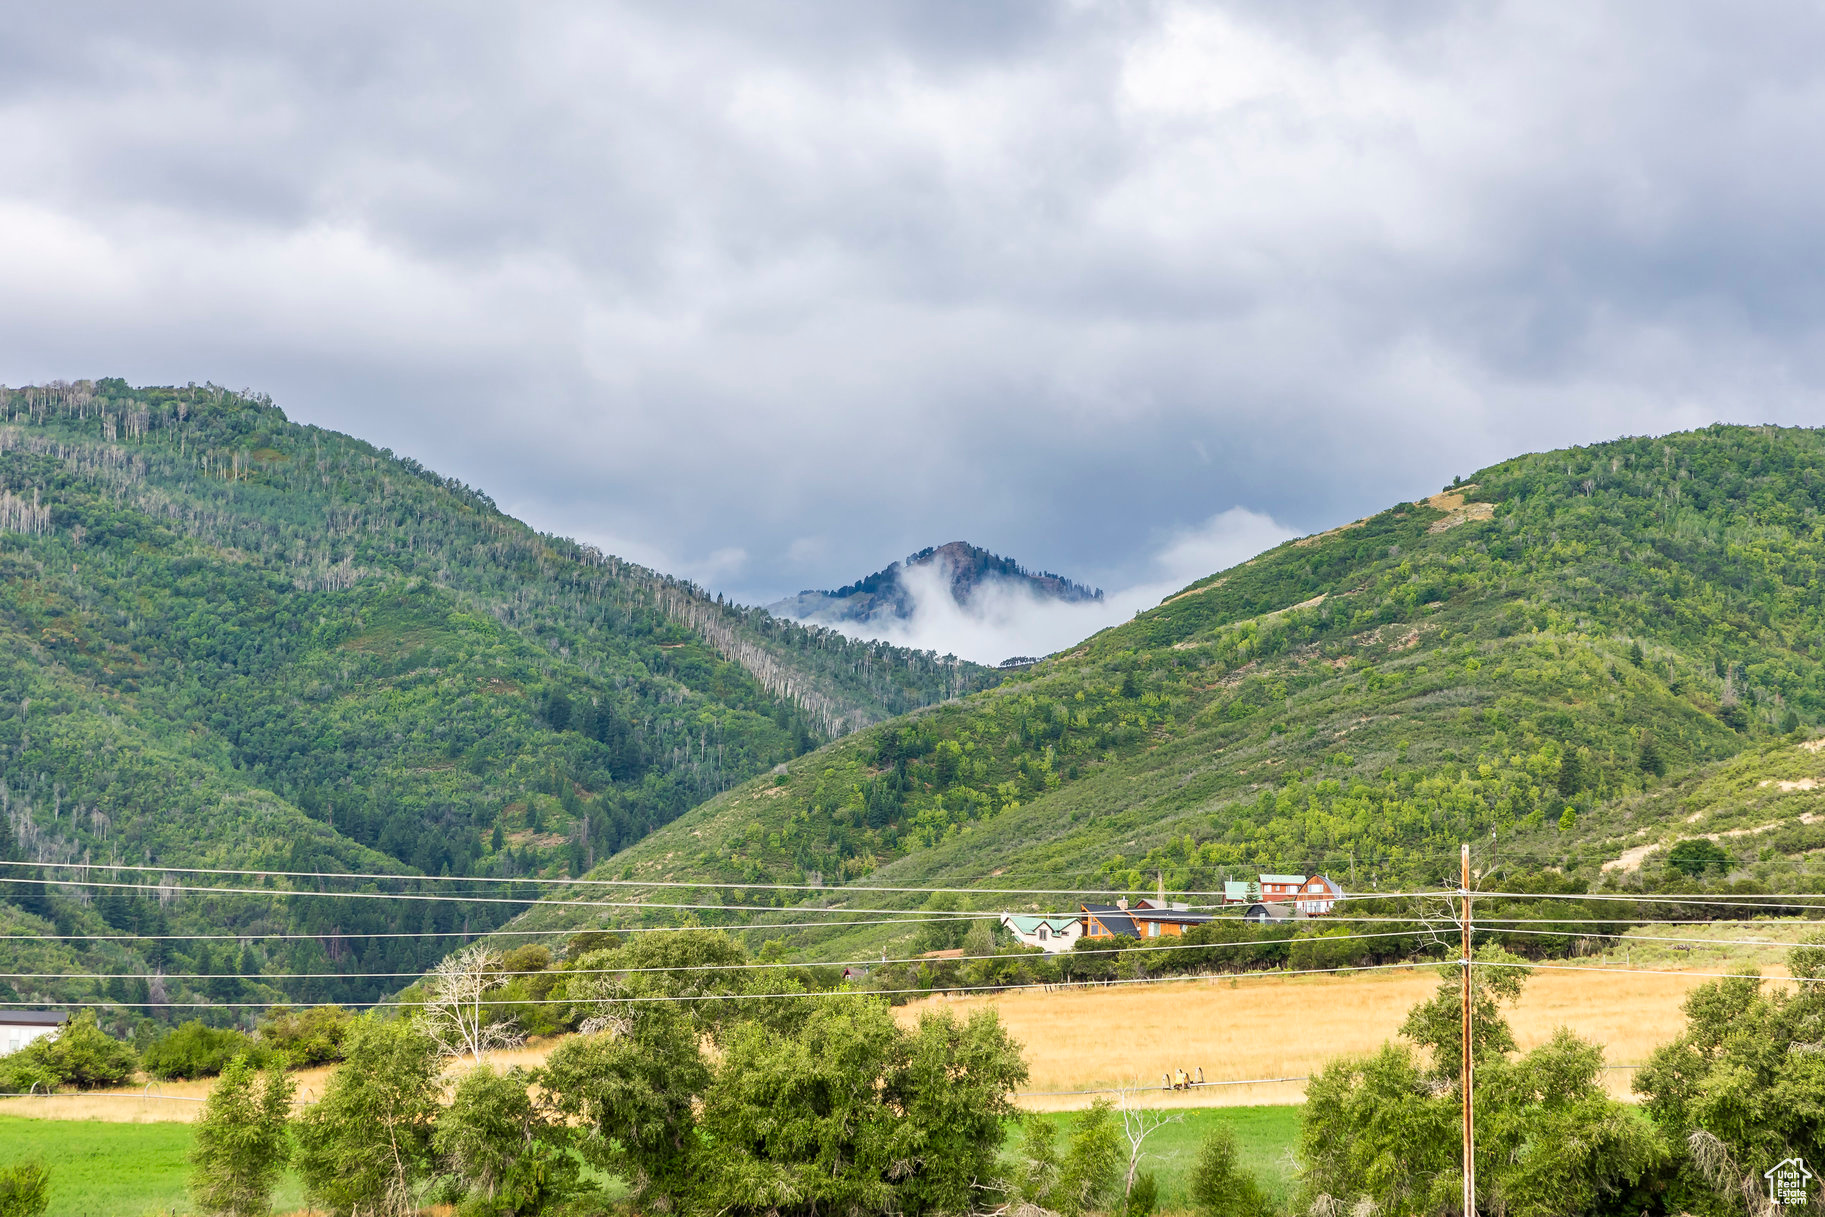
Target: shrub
x: 1219, y: 1187
x: 1085, y: 1178
x: 367, y: 1145
x: 194, y: 1050
x: 306, y: 1037
x: 25, y: 1190
x: 81, y: 1054
x: 1697, y: 855
x: 1143, y: 1197
x: 240, y: 1143
x: 530, y: 958
x: 508, y: 1153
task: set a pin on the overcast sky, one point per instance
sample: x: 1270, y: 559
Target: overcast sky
x: 771, y: 294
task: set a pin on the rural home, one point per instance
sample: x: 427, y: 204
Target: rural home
x: 1313, y: 895
x: 1143, y: 919
x: 1049, y: 934
x: 20, y: 1027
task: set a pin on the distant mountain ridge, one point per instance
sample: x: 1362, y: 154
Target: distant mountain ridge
x: 229, y: 639
x: 1577, y: 658
x: 888, y: 596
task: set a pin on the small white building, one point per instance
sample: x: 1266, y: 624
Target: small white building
x: 20, y: 1027
x: 1050, y: 934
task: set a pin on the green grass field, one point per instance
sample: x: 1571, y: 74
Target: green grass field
x: 1265, y: 1140
x: 104, y: 1169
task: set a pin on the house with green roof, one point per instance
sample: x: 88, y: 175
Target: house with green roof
x: 1049, y: 934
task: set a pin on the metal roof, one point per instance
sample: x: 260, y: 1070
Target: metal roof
x: 1028, y: 925
x: 1180, y: 916
x: 33, y: 1018
x: 1114, y: 918
x: 1283, y: 879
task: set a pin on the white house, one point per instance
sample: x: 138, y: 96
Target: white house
x: 20, y: 1027
x: 1049, y: 934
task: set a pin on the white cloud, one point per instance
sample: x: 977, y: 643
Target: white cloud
x: 1006, y: 619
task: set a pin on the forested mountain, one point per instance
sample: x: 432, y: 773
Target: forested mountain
x: 1533, y: 655
x: 959, y: 569
x: 229, y: 639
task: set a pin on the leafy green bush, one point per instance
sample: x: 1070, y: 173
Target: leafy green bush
x: 194, y: 1050
x: 1085, y: 1177
x: 240, y: 1143
x: 1219, y: 1187
x: 306, y: 1037
x: 506, y: 1149
x: 25, y: 1190
x: 367, y: 1144
x: 1143, y: 1197
x: 81, y: 1054
x: 1696, y: 856
x: 1381, y: 1133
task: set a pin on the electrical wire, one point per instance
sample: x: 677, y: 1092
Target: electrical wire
x: 262, y: 977
x: 634, y: 883
x: 936, y: 991
x: 1563, y: 967
x: 1747, y: 900
x: 573, y: 931
x: 528, y: 901
x: 1731, y: 942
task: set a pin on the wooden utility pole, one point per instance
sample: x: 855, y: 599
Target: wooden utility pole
x: 1465, y: 1073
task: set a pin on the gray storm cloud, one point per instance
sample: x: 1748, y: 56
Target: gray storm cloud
x: 756, y: 292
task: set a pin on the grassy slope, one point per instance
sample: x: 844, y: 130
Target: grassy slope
x: 1472, y: 666
x: 226, y: 638
x: 1764, y: 808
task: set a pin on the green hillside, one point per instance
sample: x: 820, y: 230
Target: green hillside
x: 229, y: 639
x: 1530, y: 656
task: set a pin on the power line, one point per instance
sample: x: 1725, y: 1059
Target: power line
x: 935, y: 991
x: 696, y: 967
x: 1564, y: 967
x: 502, y: 931
x: 528, y: 901
x: 1732, y: 942
x: 573, y: 931
x: 1747, y: 900
x: 625, y: 883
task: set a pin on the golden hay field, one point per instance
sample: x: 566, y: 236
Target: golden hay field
x: 1267, y: 1026
x: 142, y: 1104
x: 1235, y: 1028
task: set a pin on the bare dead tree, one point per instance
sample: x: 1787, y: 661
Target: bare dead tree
x: 454, y: 1012
x: 1139, y: 1123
